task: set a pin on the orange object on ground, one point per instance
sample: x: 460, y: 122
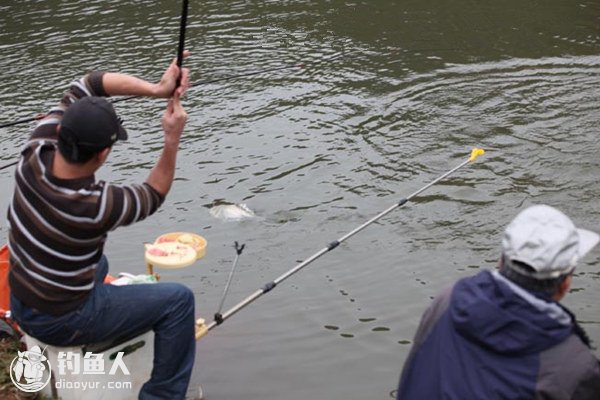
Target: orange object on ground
x: 4, y: 288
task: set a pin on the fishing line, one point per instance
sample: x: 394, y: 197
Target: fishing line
x: 195, y: 84
x: 225, y: 78
x: 198, y: 83
x: 203, y: 82
x: 201, y: 327
x: 206, y: 81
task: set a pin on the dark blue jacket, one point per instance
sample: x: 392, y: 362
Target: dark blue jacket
x: 487, y: 338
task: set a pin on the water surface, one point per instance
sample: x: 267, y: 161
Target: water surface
x: 392, y: 95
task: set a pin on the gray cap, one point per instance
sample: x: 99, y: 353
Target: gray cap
x: 546, y: 240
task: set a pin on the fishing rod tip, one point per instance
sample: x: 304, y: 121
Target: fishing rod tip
x: 476, y: 152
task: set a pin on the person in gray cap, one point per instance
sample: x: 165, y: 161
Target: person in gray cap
x: 504, y: 334
x: 59, y: 219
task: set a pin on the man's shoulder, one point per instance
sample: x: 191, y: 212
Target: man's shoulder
x: 32, y: 150
x: 572, y: 348
x: 573, y: 364
x: 437, y: 308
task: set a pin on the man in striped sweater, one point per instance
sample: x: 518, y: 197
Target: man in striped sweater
x: 59, y: 219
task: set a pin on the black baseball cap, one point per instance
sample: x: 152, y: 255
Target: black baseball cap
x: 90, y: 124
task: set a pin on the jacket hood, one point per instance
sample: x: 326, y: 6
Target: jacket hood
x: 501, y: 316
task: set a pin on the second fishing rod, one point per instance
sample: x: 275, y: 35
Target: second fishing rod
x: 202, y: 328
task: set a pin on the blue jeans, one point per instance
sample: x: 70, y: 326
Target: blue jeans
x: 116, y: 311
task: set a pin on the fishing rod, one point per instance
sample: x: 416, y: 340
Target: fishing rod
x: 8, y: 165
x: 184, y: 13
x: 24, y: 120
x: 202, y: 328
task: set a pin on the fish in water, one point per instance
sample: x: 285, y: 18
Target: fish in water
x: 231, y: 212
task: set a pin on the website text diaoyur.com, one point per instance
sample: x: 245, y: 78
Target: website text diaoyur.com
x: 91, y: 385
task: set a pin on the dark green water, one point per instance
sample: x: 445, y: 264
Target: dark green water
x: 393, y: 95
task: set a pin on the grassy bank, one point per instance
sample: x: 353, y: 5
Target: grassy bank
x: 8, y: 351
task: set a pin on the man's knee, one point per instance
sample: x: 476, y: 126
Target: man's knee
x: 181, y: 295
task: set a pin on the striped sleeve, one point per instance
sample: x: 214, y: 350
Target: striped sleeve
x: 130, y: 204
x: 89, y: 85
